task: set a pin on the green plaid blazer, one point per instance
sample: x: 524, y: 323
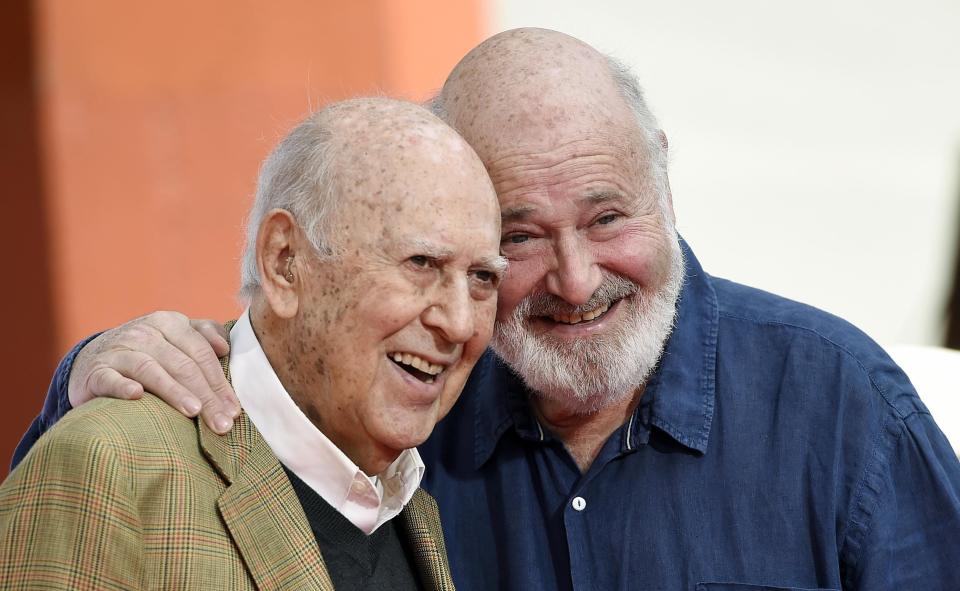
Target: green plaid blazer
x: 132, y: 495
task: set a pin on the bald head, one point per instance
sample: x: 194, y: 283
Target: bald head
x: 356, y: 152
x: 535, y: 89
x: 366, y: 128
x: 531, y: 82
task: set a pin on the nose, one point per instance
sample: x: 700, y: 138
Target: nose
x: 574, y: 275
x: 452, y: 311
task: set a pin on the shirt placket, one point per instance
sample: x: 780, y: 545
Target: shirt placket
x: 579, y: 514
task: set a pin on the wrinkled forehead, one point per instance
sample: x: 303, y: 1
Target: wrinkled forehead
x: 439, y: 216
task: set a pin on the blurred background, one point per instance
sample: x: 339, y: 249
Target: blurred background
x: 815, y: 147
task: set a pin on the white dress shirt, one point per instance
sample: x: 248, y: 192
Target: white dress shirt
x: 368, y: 502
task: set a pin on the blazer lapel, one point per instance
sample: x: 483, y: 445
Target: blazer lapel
x: 262, y: 511
x: 419, y: 523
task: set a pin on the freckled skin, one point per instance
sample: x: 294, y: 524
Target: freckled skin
x: 372, y: 299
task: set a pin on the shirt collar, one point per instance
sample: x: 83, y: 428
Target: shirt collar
x: 682, y: 389
x: 367, y: 502
x: 679, y: 396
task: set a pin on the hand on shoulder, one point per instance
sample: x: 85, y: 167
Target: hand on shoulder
x: 166, y: 353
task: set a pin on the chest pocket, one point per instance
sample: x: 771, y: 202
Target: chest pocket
x: 748, y: 587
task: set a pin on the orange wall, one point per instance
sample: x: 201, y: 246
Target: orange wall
x: 150, y: 120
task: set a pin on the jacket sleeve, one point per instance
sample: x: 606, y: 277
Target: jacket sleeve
x: 55, y: 406
x: 68, y: 518
x: 906, y: 532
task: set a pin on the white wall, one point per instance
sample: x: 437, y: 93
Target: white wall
x: 815, y: 145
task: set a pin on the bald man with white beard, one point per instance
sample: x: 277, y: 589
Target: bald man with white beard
x: 639, y: 424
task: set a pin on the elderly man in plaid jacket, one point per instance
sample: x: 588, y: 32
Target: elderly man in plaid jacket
x: 371, y: 270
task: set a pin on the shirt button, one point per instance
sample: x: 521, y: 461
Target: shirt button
x: 579, y: 503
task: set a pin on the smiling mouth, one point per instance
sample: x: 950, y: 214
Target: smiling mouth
x: 587, y: 316
x: 417, y: 366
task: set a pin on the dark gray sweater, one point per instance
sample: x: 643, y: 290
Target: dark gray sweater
x: 355, y: 560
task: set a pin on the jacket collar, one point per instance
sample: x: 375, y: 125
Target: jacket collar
x: 262, y: 511
x: 419, y: 524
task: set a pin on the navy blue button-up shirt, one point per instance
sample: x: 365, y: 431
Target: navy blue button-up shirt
x: 775, y: 447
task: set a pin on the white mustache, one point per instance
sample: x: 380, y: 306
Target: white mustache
x: 613, y: 288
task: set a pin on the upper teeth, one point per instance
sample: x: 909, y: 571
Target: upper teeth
x: 417, y: 362
x: 575, y: 318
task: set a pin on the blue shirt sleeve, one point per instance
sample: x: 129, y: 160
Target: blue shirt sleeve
x: 54, y: 407
x: 906, y: 530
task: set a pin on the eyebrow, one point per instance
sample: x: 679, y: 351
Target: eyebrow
x: 497, y: 264
x: 430, y: 249
x: 517, y: 213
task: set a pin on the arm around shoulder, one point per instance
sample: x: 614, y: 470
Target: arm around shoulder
x: 165, y: 353
x: 56, y: 404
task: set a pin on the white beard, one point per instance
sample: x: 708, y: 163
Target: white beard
x: 588, y: 374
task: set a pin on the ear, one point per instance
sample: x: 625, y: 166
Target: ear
x: 279, y: 240
x: 663, y: 140
x: 666, y: 149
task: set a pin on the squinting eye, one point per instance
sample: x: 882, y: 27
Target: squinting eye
x: 485, y: 276
x: 607, y: 219
x: 516, y: 238
x: 420, y: 260
x: 486, y: 282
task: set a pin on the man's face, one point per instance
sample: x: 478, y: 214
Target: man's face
x: 391, y: 327
x: 595, y: 269
x: 595, y: 266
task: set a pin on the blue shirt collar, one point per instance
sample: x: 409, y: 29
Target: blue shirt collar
x: 679, y: 397
x: 682, y: 388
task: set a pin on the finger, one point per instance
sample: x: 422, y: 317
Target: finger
x: 197, y: 346
x: 105, y: 381
x: 78, y: 391
x: 219, y: 403
x: 145, y: 369
x: 215, y: 333
x: 218, y: 338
